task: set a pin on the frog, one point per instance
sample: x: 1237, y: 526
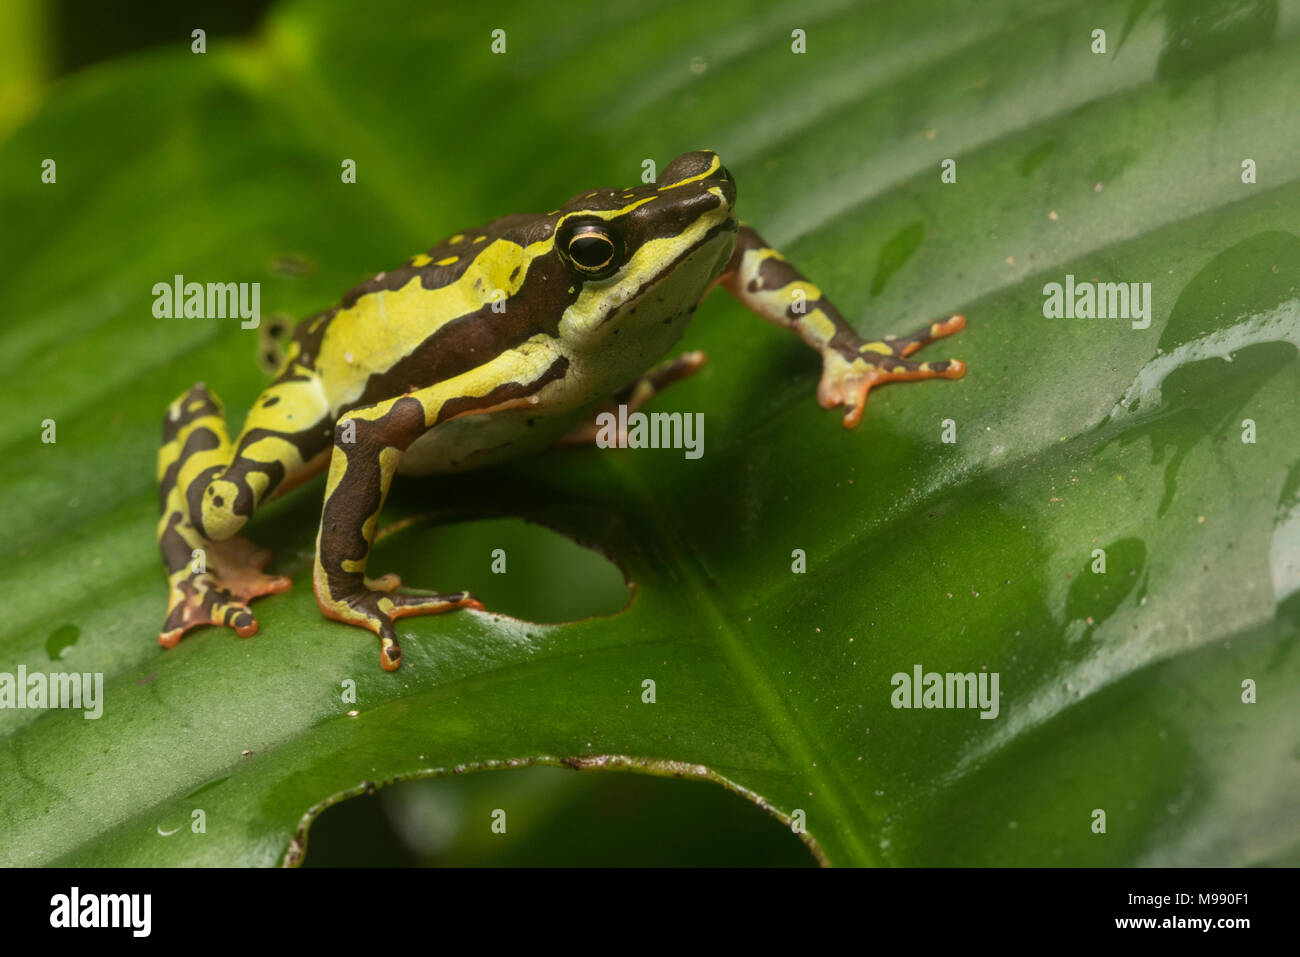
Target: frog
x: 496, y: 343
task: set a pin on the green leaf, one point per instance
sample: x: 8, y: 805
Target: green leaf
x: 1120, y: 692
x: 24, y: 55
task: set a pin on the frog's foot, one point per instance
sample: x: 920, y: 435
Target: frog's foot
x: 375, y: 605
x: 848, y: 375
x: 636, y: 395
x: 214, y: 583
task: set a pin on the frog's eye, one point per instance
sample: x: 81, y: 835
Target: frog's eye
x: 593, y: 250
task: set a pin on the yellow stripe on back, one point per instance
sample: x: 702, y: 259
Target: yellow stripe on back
x: 379, y: 329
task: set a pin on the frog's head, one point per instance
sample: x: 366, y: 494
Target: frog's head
x: 641, y: 258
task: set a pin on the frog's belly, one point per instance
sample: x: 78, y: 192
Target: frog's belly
x: 476, y: 441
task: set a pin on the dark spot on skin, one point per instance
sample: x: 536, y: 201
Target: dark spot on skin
x: 514, y: 273
x: 271, y: 357
x: 275, y: 330
x: 270, y: 401
x: 218, y: 501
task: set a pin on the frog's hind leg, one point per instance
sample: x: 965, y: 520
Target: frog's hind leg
x: 285, y: 440
x: 636, y: 395
x: 208, y: 487
x: 210, y: 583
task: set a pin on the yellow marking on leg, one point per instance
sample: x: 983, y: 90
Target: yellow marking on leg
x: 273, y: 449
x: 757, y: 257
x: 170, y: 452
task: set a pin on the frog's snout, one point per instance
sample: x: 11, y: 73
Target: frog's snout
x: 703, y: 167
x: 728, y: 185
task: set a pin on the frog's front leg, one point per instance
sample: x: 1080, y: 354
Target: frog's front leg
x: 769, y: 286
x: 368, y: 446
x: 636, y: 395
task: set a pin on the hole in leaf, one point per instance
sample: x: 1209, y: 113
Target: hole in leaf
x: 553, y: 818
x: 515, y: 568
